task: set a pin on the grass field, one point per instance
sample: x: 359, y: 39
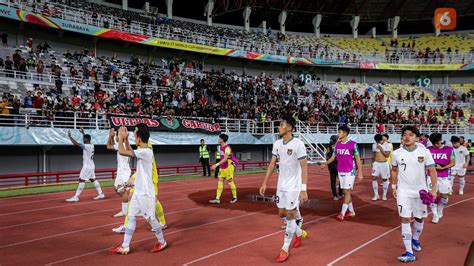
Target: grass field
x: 72, y: 186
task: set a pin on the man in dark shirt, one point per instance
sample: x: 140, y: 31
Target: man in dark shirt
x: 333, y: 169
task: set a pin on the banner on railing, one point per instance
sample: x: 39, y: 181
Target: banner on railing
x: 425, y: 67
x: 53, y: 22
x: 170, y: 124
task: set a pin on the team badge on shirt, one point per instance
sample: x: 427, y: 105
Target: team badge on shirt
x: 289, y: 152
x: 421, y: 159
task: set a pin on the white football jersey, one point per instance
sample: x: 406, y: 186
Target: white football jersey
x: 412, y: 170
x: 88, y: 156
x: 460, y: 154
x: 123, y: 165
x: 289, y: 156
x: 144, y: 182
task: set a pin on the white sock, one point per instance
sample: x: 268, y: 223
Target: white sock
x: 385, y: 186
x: 289, y: 233
x: 344, y: 208
x: 434, y: 209
x: 442, y: 204
x: 124, y: 207
x: 79, y: 190
x: 406, y: 237
x: 418, y: 227
x: 158, y: 228
x: 298, y: 214
x: 129, y: 230
x: 375, y: 186
x: 97, y: 186
x: 351, y: 207
x: 462, y: 183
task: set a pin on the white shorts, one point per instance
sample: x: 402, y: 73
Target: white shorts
x: 288, y: 200
x: 346, y: 180
x: 381, y: 169
x: 411, y: 206
x: 87, y: 174
x: 459, y: 171
x: 444, y: 185
x: 121, y: 179
x: 142, y: 205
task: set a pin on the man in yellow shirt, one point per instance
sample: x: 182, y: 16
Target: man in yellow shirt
x: 227, y: 165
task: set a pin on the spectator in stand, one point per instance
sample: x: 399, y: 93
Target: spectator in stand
x: 4, y: 36
x: 28, y: 101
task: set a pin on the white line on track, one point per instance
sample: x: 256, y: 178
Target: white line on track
x: 167, y: 233
x: 380, y: 236
x: 275, y: 233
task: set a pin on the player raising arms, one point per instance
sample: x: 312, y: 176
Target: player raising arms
x: 143, y: 199
x: 348, y: 162
x: 380, y: 168
x: 123, y: 173
x: 292, y: 182
x: 462, y: 158
x: 227, y: 165
x: 88, y: 167
x: 409, y: 165
x: 443, y: 157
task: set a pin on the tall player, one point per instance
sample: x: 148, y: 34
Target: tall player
x: 88, y: 167
x: 462, y: 158
x: 348, y: 163
x: 409, y: 165
x: 227, y: 166
x: 444, y: 159
x: 123, y: 173
x: 292, y: 182
x: 143, y: 199
x: 160, y: 215
x: 380, y: 168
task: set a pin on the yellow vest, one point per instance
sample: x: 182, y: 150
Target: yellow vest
x: 218, y: 152
x: 203, y: 152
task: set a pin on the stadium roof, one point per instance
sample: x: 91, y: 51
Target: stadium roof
x: 416, y: 15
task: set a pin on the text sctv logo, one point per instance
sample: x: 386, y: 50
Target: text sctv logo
x: 445, y: 18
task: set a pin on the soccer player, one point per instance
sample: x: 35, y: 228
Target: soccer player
x: 227, y: 165
x: 143, y: 199
x: 380, y: 168
x: 348, y: 162
x: 386, y: 138
x: 292, y: 182
x: 160, y: 215
x: 444, y: 159
x: 123, y: 173
x: 88, y: 167
x: 409, y: 165
x: 462, y: 158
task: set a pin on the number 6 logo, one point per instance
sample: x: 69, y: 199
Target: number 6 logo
x: 445, y: 18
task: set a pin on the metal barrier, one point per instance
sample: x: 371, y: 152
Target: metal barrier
x: 47, y: 178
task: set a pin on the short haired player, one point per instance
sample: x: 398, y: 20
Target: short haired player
x: 443, y: 157
x: 380, y: 166
x: 123, y: 173
x: 143, y: 199
x: 292, y: 182
x: 409, y: 165
x: 348, y: 163
x: 461, y: 155
x: 88, y: 167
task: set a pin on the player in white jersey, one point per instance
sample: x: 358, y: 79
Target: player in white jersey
x: 380, y: 166
x: 409, y: 165
x: 88, y: 167
x: 123, y: 173
x: 292, y: 182
x: 461, y: 155
x: 143, y: 199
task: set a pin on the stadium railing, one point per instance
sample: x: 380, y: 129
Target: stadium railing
x: 48, y: 178
x: 162, y: 31
x: 76, y: 120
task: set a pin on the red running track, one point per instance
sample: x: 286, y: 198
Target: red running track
x: 43, y: 229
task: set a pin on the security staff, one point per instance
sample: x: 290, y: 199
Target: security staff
x: 204, y: 158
